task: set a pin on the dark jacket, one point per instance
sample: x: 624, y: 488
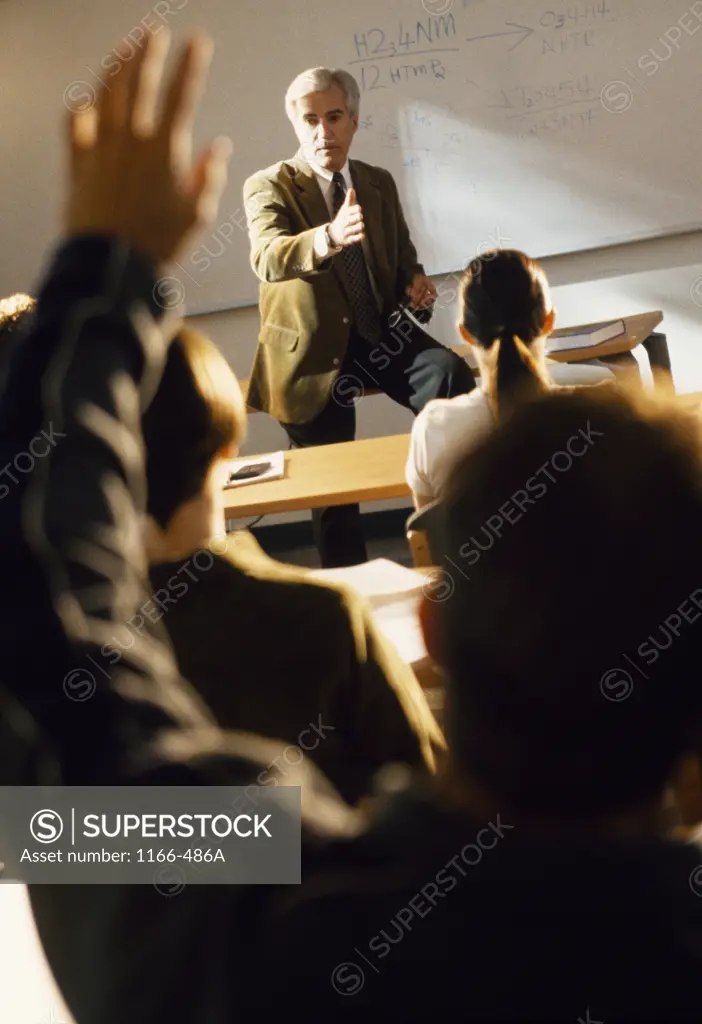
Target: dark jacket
x: 432, y: 912
x: 275, y: 652
x: 64, y: 444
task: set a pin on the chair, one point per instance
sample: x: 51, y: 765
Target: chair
x: 424, y: 531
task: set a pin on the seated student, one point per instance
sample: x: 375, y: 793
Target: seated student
x: 539, y: 881
x: 507, y: 316
x: 270, y: 650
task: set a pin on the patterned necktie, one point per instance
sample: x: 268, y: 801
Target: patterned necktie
x: 365, y: 308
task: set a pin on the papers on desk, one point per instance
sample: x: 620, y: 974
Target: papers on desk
x: 380, y: 580
x: 394, y: 593
x: 274, y: 471
x: 585, y: 337
x: 399, y: 621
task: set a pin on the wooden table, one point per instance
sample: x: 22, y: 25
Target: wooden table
x: 617, y: 354
x: 332, y: 474
x: 638, y: 329
x: 374, y: 469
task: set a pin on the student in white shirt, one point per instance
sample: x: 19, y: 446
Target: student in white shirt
x: 507, y: 315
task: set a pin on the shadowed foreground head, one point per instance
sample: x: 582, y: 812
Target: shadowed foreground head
x: 573, y: 632
x: 196, y: 417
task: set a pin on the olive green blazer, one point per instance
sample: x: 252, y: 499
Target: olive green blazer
x: 304, y: 304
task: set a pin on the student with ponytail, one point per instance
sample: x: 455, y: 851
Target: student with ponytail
x: 506, y: 315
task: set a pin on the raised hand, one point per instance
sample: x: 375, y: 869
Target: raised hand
x: 132, y: 174
x: 347, y: 228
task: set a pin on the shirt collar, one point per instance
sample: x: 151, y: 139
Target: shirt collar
x: 328, y: 176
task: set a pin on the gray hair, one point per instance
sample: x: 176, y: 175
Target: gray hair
x: 319, y: 80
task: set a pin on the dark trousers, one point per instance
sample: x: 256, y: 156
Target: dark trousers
x: 410, y: 367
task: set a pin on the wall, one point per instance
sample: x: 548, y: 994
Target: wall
x: 662, y: 274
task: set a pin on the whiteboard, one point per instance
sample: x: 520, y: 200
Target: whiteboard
x: 550, y: 126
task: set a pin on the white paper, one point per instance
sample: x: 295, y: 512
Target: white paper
x: 275, y: 472
x: 393, y: 592
x: 399, y: 621
x: 379, y: 580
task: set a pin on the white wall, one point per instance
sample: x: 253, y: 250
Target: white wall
x: 662, y: 274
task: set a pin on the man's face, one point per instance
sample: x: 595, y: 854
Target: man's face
x: 325, y: 128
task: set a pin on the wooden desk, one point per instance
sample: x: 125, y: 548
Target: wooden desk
x: 332, y: 474
x: 373, y: 469
x: 640, y: 330
x: 617, y: 353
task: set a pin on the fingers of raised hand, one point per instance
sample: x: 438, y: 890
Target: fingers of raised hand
x: 82, y: 133
x: 182, y: 99
x: 145, y: 83
x: 118, y: 95
x: 186, y: 85
x: 123, y: 144
x: 209, y: 178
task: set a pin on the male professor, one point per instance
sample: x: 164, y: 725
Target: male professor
x: 331, y: 247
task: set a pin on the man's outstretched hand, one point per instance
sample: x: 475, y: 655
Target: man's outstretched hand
x: 132, y: 173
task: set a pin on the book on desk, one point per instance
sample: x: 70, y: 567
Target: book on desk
x: 579, y: 338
